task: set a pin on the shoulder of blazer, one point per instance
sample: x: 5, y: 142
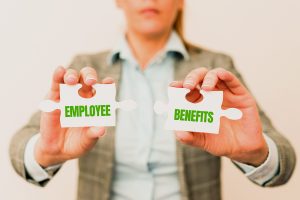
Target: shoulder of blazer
x: 199, y: 57
x: 101, y: 58
x: 215, y: 56
x: 96, y: 60
x: 202, y: 57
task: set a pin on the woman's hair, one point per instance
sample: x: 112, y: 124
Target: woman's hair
x: 178, y: 25
x: 179, y: 28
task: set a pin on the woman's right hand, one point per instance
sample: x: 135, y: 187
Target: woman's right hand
x: 56, y: 144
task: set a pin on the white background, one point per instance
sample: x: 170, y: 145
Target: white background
x: 36, y: 36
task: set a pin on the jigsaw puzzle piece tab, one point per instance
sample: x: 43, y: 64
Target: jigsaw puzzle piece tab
x: 127, y: 105
x: 48, y: 106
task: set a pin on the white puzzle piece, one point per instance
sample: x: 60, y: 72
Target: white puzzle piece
x: 77, y: 111
x: 204, y: 116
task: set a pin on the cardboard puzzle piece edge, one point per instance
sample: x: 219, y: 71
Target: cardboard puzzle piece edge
x: 77, y: 111
x: 204, y: 116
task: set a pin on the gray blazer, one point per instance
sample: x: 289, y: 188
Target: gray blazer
x: 198, y: 171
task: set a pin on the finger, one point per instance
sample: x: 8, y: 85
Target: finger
x: 71, y: 77
x: 232, y: 82
x: 194, y: 78
x: 108, y: 80
x: 185, y: 137
x: 95, y: 132
x: 88, y: 76
x: 221, y: 86
x: 92, y: 135
x: 176, y: 84
x: 57, y: 79
x: 198, y: 139
x: 193, y: 96
x: 210, y: 80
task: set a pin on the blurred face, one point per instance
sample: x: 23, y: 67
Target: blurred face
x: 150, y: 17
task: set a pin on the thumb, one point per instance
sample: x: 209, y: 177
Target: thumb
x: 198, y: 139
x: 185, y: 137
x: 57, y: 78
x: 91, y: 136
x: 95, y: 132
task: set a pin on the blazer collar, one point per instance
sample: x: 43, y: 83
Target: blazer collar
x: 122, y: 51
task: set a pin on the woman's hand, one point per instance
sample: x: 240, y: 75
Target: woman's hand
x: 57, y: 144
x: 241, y: 140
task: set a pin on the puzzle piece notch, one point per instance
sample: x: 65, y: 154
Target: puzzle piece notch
x: 212, y: 101
x: 127, y: 105
x: 232, y: 113
x: 104, y: 98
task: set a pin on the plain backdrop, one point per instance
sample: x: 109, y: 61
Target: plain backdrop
x: 36, y: 36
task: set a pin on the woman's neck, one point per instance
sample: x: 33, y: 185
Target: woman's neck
x: 144, y: 48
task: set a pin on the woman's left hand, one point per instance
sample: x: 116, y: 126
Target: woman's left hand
x: 240, y: 140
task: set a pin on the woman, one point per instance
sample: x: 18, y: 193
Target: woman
x: 139, y: 159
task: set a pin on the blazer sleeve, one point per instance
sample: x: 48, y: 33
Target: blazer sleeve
x: 22, y: 136
x: 287, y: 157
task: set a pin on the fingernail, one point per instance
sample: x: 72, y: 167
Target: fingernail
x: 173, y: 83
x: 108, y: 80
x: 90, y: 78
x: 98, y: 131
x: 207, y: 83
x: 189, y: 82
x: 71, y: 78
x: 181, y: 139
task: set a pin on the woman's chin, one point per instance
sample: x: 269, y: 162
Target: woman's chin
x: 151, y: 31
